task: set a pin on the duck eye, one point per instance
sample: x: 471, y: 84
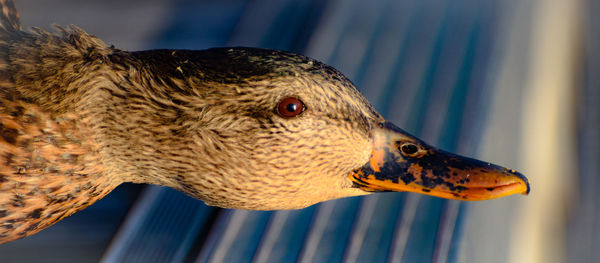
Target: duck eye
x: 409, y: 149
x: 290, y: 107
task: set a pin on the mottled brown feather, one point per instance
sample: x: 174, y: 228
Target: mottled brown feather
x: 46, y: 172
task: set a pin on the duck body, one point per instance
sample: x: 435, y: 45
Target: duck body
x: 241, y: 128
x: 46, y: 171
x: 50, y: 167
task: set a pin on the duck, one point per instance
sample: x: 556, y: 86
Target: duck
x: 242, y: 128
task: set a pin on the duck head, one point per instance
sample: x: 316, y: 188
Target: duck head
x: 275, y: 130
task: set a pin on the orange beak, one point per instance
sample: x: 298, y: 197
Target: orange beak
x: 402, y: 162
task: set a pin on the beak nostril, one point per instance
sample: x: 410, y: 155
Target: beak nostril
x: 409, y: 148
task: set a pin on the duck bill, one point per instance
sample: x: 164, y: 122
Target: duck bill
x: 402, y: 162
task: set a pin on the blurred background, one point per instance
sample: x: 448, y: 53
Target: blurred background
x: 508, y: 81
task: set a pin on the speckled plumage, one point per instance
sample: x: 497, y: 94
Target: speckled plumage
x: 203, y: 122
x: 78, y: 118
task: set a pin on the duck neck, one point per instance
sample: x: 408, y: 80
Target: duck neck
x: 56, y: 72
x: 76, y: 74
x: 143, y: 126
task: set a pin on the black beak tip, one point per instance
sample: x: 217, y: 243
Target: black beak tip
x: 524, y: 179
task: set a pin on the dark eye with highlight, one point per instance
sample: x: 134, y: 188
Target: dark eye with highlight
x: 290, y: 107
x: 409, y: 149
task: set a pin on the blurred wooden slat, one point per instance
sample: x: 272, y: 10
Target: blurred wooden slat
x: 583, y: 225
x: 548, y: 141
